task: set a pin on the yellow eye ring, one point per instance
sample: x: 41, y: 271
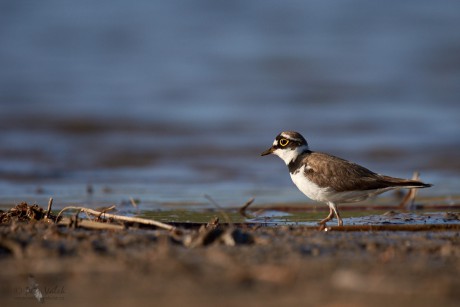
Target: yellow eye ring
x: 284, y: 142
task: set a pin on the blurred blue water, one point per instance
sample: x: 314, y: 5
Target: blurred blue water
x: 166, y: 101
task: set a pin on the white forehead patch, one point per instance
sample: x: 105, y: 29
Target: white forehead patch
x: 285, y: 135
x: 275, y: 142
x: 289, y: 137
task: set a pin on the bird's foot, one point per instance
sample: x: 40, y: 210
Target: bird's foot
x: 339, y: 222
x: 324, y: 221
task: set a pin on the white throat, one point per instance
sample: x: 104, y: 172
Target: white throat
x: 290, y: 154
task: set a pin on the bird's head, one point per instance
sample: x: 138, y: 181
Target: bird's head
x: 288, y: 145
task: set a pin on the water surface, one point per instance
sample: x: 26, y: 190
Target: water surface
x: 166, y: 102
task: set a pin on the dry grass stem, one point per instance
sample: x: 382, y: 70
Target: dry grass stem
x: 90, y: 224
x: 133, y: 202
x: 221, y: 210
x: 48, y: 211
x: 242, y: 210
x: 120, y: 217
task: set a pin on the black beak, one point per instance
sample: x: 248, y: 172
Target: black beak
x: 268, y: 151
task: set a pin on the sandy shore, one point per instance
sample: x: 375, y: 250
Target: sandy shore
x: 264, y: 266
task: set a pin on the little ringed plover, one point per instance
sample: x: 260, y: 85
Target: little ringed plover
x: 329, y: 179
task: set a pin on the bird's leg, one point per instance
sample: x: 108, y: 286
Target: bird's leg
x: 336, y: 211
x: 328, y: 218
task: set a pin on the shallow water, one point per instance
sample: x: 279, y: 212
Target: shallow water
x: 166, y: 102
x: 311, y: 217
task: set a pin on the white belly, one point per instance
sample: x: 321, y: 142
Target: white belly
x: 310, y: 189
x: 314, y: 192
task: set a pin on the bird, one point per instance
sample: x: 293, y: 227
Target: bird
x: 329, y: 179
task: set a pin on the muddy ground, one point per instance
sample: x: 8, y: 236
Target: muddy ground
x: 251, y: 265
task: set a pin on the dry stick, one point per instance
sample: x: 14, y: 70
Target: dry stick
x: 102, y: 211
x: 75, y: 222
x: 91, y: 224
x: 105, y: 210
x: 50, y: 204
x: 242, y: 210
x: 133, y: 202
x: 221, y: 210
x: 121, y: 218
x: 409, y: 199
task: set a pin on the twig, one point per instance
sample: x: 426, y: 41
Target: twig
x: 90, y: 224
x: 74, y: 225
x: 408, y: 200
x: 50, y: 204
x: 121, y: 217
x: 213, y: 223
x: 102, y: 210
x: 221, y: 210
x: 242, y: 210
x: 133, y: 202
x: 105, y: 210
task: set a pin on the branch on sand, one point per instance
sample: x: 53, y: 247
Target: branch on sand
x: 121, y: 218
x: 242, y: 210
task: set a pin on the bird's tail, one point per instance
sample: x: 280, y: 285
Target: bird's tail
x: 406, y: 183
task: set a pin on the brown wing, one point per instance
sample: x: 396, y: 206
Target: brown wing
x: 342, y: 175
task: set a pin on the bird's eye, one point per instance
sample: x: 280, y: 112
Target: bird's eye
x: 284, y: 142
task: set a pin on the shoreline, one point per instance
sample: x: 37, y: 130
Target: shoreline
x: 230, y: 264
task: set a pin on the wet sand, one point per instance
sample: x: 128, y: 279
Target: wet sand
x: 257, y: 266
